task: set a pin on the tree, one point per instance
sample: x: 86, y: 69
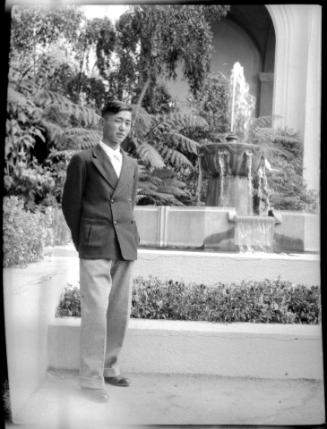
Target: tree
x: 153, y: 40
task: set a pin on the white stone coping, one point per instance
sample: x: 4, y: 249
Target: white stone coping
x: 182, y: 327
x: 69, y: 250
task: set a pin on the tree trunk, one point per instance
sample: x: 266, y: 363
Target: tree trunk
x: 141, y: 96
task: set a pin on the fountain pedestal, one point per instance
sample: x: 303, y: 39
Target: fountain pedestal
x: 236, y: 178
x: 233, y: 192
x: 230, y: 168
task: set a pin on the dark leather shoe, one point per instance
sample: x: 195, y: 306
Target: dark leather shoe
x: 119, y: 380
x: 95, y: 395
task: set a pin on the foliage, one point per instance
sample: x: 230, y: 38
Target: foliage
x: 212, y: 103
x: 284, y: 150
x: 100, y: 34
x: 256, y: 302
x: 161, y: 187
x: 25, y: 233
x: 166, y: 156
x: 43, y: 26
x: 41, y: 121
x: 22, y: 237
x: 90, y: 89
x: 70, y: 302
x: 154, y: 39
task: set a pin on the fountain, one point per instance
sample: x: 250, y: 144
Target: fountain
x: 236, y: 173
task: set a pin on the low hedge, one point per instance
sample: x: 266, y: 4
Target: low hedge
x: 25, y: 233
x: 257, y: 302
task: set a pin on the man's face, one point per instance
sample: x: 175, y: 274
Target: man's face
x: 116, y: 127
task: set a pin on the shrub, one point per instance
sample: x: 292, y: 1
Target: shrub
x: 257, y: 302
x: 23, y: 237
x: 25, y: 233
x: 70, y: 302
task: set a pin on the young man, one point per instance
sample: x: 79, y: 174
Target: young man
x: 98, y: 202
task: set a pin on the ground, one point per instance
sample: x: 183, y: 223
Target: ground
x: 175, y: 399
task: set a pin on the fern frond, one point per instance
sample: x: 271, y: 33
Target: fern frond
x: 179, y: 121
x: 54, y: 132
x: 15, y: 97
x: 150, y: 155
x: 262, y: 122
x: 162, y: 198
x: 173, y: 190
x: 142, y: 122
x: 83, y: 115
x: 19, y: 102
x: 174, y: 157
x: 183, y: 143
x: 81, y: 138
x: 263, y: 133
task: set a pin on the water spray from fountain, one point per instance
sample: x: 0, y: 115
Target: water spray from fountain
x: 242, y: 103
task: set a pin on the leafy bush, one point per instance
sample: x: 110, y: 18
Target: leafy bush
x: 23, y: 237
x: 70, y: 302
x: 284, y: 150
x: 25, y: 233
x: 257, y: 302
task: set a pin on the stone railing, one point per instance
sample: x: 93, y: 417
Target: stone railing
x: 211, y: 227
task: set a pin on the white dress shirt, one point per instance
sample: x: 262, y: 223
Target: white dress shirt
x: 115, y: 157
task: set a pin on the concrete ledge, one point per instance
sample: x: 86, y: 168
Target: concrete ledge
x: 235, y: 350
x: 213, y: 267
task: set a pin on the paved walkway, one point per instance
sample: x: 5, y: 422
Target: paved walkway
x: 174, y: 400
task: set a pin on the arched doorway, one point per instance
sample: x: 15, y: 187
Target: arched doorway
x: 247, y: 35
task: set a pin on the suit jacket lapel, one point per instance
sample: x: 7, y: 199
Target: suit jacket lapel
x: 104, y: 166
x: 126, y: 174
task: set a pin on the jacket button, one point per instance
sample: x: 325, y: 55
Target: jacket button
x: 112, y: 201
x: 115, y: 222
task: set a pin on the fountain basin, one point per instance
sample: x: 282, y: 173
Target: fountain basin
x: 211, y: 228
x: 235, y: 156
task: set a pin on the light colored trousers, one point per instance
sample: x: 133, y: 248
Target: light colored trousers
x: 105, y: 287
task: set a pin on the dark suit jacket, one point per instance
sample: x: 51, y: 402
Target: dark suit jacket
x: 98, y: 207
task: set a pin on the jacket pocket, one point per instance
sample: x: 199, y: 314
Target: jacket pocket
x: 94, y: 235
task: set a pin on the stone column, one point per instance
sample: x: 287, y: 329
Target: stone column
x: 297, y: 78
